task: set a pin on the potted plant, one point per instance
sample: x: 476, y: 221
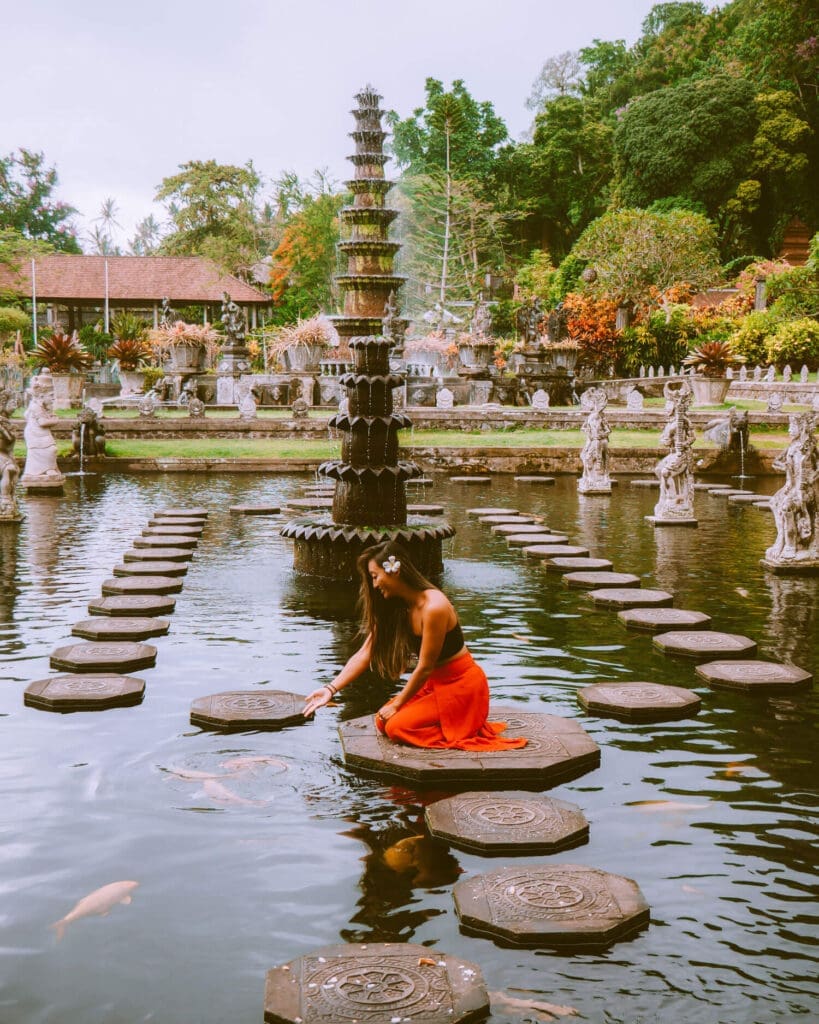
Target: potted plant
x: 302, y: 346
x: 183, y: 346
x: 131, y: 350
x: 710, y: 360
x: 67, y: 360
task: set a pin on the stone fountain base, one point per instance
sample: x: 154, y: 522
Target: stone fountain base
x: 803, y: 567
x: 330, y: 550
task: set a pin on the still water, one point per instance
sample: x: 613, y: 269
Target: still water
x: 299, y: 852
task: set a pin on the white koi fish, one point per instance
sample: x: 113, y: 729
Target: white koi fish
x: 99, y: 902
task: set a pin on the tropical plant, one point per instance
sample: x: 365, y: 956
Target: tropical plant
x: 749, y: 340
x: 60, y: 353
x: 150, y: 375
x: 315, y: 333
x: 127, y: 326
x: 95, y: 340
x: 163, y: 338
x: 795, y: 342
x: 12, y: 320
x: 131, y: 353
x: 711, y: 358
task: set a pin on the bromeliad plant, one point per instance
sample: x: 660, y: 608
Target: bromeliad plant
x: 711, y: 358
x: 131, y: 353
x: 61, y: 353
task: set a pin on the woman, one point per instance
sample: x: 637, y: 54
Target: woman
x: 445, y: 700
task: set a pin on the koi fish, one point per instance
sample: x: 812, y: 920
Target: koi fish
x: 248, y: 763
x: 666, y: 805
x: 99, y: 902
x: 546, y: 1011
x: 221, y: 794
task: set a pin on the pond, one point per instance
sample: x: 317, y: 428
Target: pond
x: 714, y: 816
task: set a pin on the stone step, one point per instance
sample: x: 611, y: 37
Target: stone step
x: 592, y: 580
x: 492, y: 512
x: 562, y: 565
x: 639, y: 701
x: 555, y: 551
x: 182, y: 513
x: 660, y: 620
x: 94, y: 656
x: 534, y: 480
x: 106, y: 627
x: 630, y: 597
x: 522, y: 540
x: 170, y: 541
x: 152, y: 554
x: 151, y: 569
x: 704, y: 644
x: 82, y: 692
x: 763, y: 677
x: 255, y: 510
x: 133, y: 604
x: 239, y: 710
x: 142, y: 585
x: 172, y: 531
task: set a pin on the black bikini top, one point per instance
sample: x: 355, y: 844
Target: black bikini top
x: 453, y: 642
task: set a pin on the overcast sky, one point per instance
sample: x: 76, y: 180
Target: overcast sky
x: 117, y: 94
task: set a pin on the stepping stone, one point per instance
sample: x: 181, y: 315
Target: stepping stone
x: 743, y: 499
x: 167, y: 521
x: 151, y: 569
x: 639, y: 702
x: 764, y: 503
x: 133, y: 604
x: 103, y: 627
x: 103, y: 657
x: 255, y: 510
x: 470, y: 479
x: 142, y: 585
x: 510, y: 528
x: 492, y: 512
x: 515, y: 540
x: 182, y: 513
x: 507, y: 823
x: 374, y: 983
x: 645, y: 483
x: 534, y: 479
x: 754, y: 676
x: 171, y: 531
x: 425, y: 510
x: 704, y: 644
x: 659, y: 620
x: 712, y: 487
x: 152, y: 554
x: 561, y: 906
x: 558, y: 749
x: 726, y: 492
x: 310, y: 503
x: 419, y: 481
x: 238, y: 710
x: 170, y: 541
x: 504, y: 519
x: 551, y: 551
x: 562, y: 565
x: 630, y: 597
x: 84, y: 693
x: 592, y: 580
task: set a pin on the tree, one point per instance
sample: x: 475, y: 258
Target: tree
x: 27, y: 203
x: 147, y: 237
x: 213, y: 211
x: 559, y: 76
x: 639, y: 255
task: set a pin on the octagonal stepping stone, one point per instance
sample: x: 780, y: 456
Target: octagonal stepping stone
x: 419, y: 481
x: 237, y: 710
x: 705, y: 486
x: 470, y: 479
x: 659, y: 620
x: 177, y: 540
x: 142, y: 585
x: 555, y: 551
x: 630, y: 597
x: 743, y: 499
x: 645, y: 483
x: 310, y: 503
x: 505, y: 518
x: 558, y: 749
x: 255, y: 510
x: 171, y: 531
x: 704, y: 644
x: 425, y: 510
x: 168, y: 521
x: 754, y: 676
x: 522, y: 540
x: 492, y: 512
x: 182, y: 513
x: 94, y: 656
x: 84, y: 692
x: 103, y: 627
x: 561, y: 906
x: 591, y: 580
x: 374, y: 983
x: 763, y: 503
x: 510, y: 528
x: 133, y: 604
x: 152, y: 554
x: 727, y: 492
x: 534, y: 479
x: 151, y: 569
x: 507, y: 823
x: 562, y: 565
x: 639, y: 702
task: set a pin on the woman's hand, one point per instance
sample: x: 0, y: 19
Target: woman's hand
x: 317, y: 699
x: 386, y: 713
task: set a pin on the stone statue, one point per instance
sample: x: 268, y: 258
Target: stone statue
x: 196, y: 407
x: 9, y: 511
x: 40, y: 471
x: 233, y: 321
x: 676, y: 471
x: 540, y: 400
x: 88, y: 435
x: 796, y: 503
x: 529, y: 321
x: 147, y: 406
x: 301, y: 409
x: 481, y: 323
x: 634, y: 400
x: 775, y: 402
x: 247, y: 404
x: 390, y: 318
x: 166, y: 316
x: 444, y: 399
x: 595, y: 453
x: 730, y: 431
x: 558, y: 324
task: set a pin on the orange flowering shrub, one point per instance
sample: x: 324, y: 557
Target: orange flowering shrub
x: 590, y: 322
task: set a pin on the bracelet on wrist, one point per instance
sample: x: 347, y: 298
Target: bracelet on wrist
x: 331, y: 688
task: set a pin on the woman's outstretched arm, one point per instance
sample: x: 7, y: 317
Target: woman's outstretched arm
x: 356, y: 666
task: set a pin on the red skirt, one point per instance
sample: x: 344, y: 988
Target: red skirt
x: 450, y: 711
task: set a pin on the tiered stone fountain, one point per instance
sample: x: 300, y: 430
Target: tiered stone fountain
x: 370, y: 504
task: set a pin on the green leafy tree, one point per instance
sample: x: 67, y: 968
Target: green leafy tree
x: 213, y: 210
x: 27, y: 203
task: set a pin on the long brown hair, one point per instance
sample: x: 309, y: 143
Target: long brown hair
x: 386, y: 619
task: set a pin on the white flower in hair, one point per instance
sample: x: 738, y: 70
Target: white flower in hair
x: 392, y: 565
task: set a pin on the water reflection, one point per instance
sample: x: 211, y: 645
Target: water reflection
x: 9, y: 543
x: 793, y: 616
x: 676, y: 549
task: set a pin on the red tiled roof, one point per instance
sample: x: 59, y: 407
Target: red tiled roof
x: 189, y: 279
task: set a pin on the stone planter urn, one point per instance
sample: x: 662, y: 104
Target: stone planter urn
x: 709, y: 390
x: 186, y: 357
x: 474, y: 355
x: 304, y: 358
x: 68, y: 390
x: 131, y: 382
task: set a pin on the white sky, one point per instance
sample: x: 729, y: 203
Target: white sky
x: 118, y: 93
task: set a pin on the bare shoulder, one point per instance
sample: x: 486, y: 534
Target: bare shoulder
x: 437, y: 604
